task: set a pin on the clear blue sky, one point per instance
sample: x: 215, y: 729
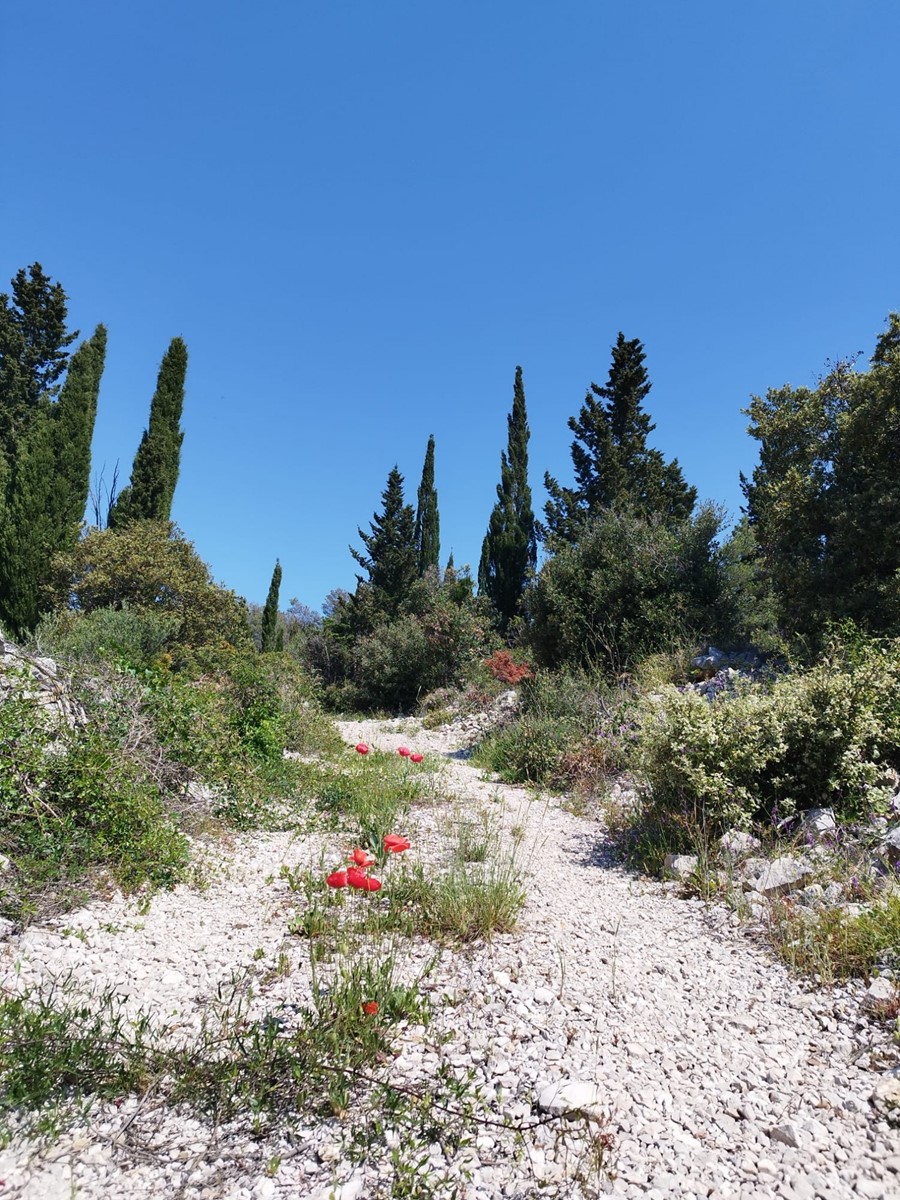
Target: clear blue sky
x: 361, y: 216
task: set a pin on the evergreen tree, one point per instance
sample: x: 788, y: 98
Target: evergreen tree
x: 33, y: 350
x: 75, y: 414
x: 824, y: 500
x: 509, y: 550
x: 155, y: 472
x: 270, y: 613
x: 390, y: 559
x: 45, y: 451
x: 614, y: 467
x: 428, y: 539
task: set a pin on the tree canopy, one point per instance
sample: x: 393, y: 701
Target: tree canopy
x: 614, y: 466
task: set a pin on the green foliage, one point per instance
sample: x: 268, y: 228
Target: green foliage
x: 73, y: 429
x: 767, y: 750
x: 573, y: 730
x: 428, y: 536
x: 509, y: 551
x: 60, y: 1054
x: 44, y: 471
x: 150, y: 566
x: 631, y: 586
x: 397, y: 661
x: 269, y: 631
x: 748, y: 595
x: 825, y: 498
x: 154, y: 474
x: 614, y: 467
x: 130, y: 636
x: 33, y: 350
x: 390, y: 558
x: 832, y: 944
x: 76, y: 803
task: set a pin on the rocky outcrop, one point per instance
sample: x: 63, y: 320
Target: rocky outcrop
x: 28, y: 677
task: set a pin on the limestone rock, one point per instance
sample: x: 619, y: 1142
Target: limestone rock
x: 735, y: 845
x: 886, y: 1096
x: 819, y: 824
x: 778, y: 877
x: 682, y: 866
x: 879, y: 992
x: 570, y: 1096
x: 889, y: 847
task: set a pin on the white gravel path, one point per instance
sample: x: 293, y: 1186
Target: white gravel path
x: 722, y: 1076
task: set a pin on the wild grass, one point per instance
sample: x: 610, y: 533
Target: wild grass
x: 60, y: 1054
x: 833, y: 944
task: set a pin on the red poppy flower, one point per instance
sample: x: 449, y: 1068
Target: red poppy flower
x: 362, y: 858
x: 403, y: 752
x: 370, y: 1008
x: 362, y: 748
x: 337, y: 879
x: 395, y: 844
x: 416, y: 758
x: 362, y: 882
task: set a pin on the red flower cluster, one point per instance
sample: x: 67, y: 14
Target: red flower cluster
x: 370, y: 1008
x: 362, y: 748
x: 395, y: 844
x: 405, y: 752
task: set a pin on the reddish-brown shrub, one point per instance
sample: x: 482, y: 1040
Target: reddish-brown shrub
x: 503, y: 668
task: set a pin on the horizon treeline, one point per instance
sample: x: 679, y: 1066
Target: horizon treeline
x: 633, y: 563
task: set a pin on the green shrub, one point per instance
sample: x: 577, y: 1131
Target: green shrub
x: 821, y: 737
x: 573, y: 729
x: 150, y: 566
x: 630, y: 587
x: 135, y: 637
x: 75, y: 804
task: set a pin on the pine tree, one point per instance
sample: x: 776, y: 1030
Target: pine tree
x: 428, y: 538
x: 270, y: 613
x: 614, y: 467
x: 33, y: 350
x: 156, y: 464
x: 390, y: 559
x: 509, y: 550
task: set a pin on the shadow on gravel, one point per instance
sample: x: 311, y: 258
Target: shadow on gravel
x: 462, y: 755
x: 595, y: 850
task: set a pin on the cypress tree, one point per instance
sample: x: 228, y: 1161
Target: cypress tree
x: 270, y: 613
x: 390, y: 559
x: 45, y: 451
x: 75, y: 414
x: 155, y: 472
x: 614, y: 466
x: 509, y: 549
x: 428, y: 538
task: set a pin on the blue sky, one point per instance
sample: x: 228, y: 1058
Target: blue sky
x: 360, y: 217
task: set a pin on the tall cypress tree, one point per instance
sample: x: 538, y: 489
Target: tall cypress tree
x: 390, y: 559
x: 428, y: 537
x: 75, y: 414
x: 156, y: 464
x: 269, y: 639
x: 509, y: 549
x: 45, y: 443
x: 614, y: 466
